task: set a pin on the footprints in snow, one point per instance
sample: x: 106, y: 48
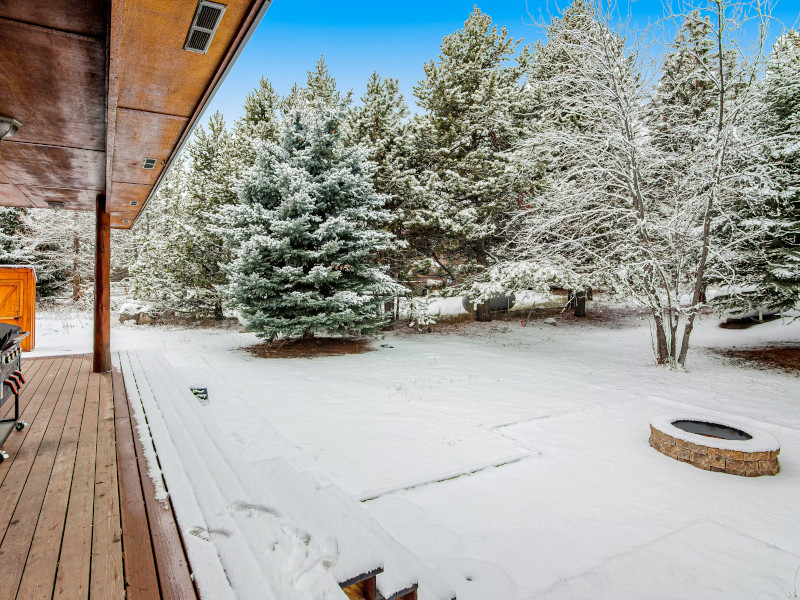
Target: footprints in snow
x: 209, y: 535
x: 306, y: 558
x: 254, y: 510
x: 251, y: 510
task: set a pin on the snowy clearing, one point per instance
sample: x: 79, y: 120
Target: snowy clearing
x: 514, y: 461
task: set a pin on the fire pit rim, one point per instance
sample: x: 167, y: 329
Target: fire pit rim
x: 761, y: 441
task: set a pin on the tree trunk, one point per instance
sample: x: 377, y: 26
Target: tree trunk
x: 699, y: 284
x: 662, y: 347
x: 580, y: 303
x: 308, y: 335
x: 482, y: 312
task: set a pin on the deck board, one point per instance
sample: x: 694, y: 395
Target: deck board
x: 42, y: 560
x: 75, y: 514
x: 19, y: 534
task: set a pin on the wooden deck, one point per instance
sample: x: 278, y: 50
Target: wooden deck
x: 78, y: 516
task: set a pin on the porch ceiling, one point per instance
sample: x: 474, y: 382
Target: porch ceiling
x: 98, y: 87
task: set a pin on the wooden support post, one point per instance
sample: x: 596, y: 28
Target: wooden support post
x: 366, y: 589
x: 102, y: 291
x: 370, y: 588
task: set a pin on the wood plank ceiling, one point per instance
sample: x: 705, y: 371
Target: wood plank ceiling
x: 99, y: 86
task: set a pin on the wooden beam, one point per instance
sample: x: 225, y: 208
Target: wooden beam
x: 116, y: 21
x: 102, y: 290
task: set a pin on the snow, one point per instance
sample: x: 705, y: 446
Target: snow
x: 579, y: 506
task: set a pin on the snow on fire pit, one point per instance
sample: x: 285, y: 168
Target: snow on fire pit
x: 716, y: 444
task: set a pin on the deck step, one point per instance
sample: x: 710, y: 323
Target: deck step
x: 296, y: 520
x: 277, y: 552
x: 205, y: 561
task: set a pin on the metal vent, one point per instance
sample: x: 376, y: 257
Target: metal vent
x: 134, y: 203
x: 149, y: 163
x: 204, y: 26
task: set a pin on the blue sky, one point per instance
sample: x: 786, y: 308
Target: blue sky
x: 394, y: 38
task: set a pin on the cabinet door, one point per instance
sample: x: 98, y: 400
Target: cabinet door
x: 10, y: 300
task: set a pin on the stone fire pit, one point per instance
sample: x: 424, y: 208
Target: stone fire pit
x: 716, y: 444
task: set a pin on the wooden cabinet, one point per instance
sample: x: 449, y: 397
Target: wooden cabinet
x: 18, y: 300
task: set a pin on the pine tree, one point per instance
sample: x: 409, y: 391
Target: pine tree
x: 200, y: 251
x: 380, y: 125
x: 686, y: 92
x: 305, y: 233
x: 770, y: 264
x: 258, y: 125
x: 13, y: 250
x: 473, y: 98
x: 320, y: 89
x: 153, y: 272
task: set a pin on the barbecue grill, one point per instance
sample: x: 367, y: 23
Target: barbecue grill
x: 11, y: 376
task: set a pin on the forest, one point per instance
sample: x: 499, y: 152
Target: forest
x: 659, y: 165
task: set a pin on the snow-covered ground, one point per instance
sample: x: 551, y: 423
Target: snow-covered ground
x: 514, y: 461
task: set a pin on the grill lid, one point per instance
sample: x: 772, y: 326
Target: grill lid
x: 8, y: 333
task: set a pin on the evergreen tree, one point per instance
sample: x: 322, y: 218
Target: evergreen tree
x: 770, y: 264
x: 258, y: 125
x: 320, y: 89
x: 380, y: 125
x: 201, y: 251
x: 686, y: 92
x: 13, y: 250
x: 158, y: 259
x: 305, y: 233
x: 473, y: 98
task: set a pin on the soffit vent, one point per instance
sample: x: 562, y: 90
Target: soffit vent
x: 204, y: 26
x: 149, y: 163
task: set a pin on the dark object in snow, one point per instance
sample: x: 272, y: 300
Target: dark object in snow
x: 495, y: 304
x: 577, y: 300
x: 386, y: 346
x: 11, y: 376
x: 201, y: 394
x: 749, y: 319
x: 714, y: 430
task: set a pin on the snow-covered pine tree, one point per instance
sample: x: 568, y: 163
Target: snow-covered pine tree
x: 259, y: 124
x: 685, y: 94
x: 158, y: 259
x: 320, y: 88
x: 473, y: 98
x: 13, y: 250
x: 770, y: 264
x: 306, y: 233
x: 380, y: 125
x: 196, y: 251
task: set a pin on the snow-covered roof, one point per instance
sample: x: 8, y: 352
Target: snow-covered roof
x: 31, y: 267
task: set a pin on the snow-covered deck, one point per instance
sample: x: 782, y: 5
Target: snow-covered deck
x: 77, y: 519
